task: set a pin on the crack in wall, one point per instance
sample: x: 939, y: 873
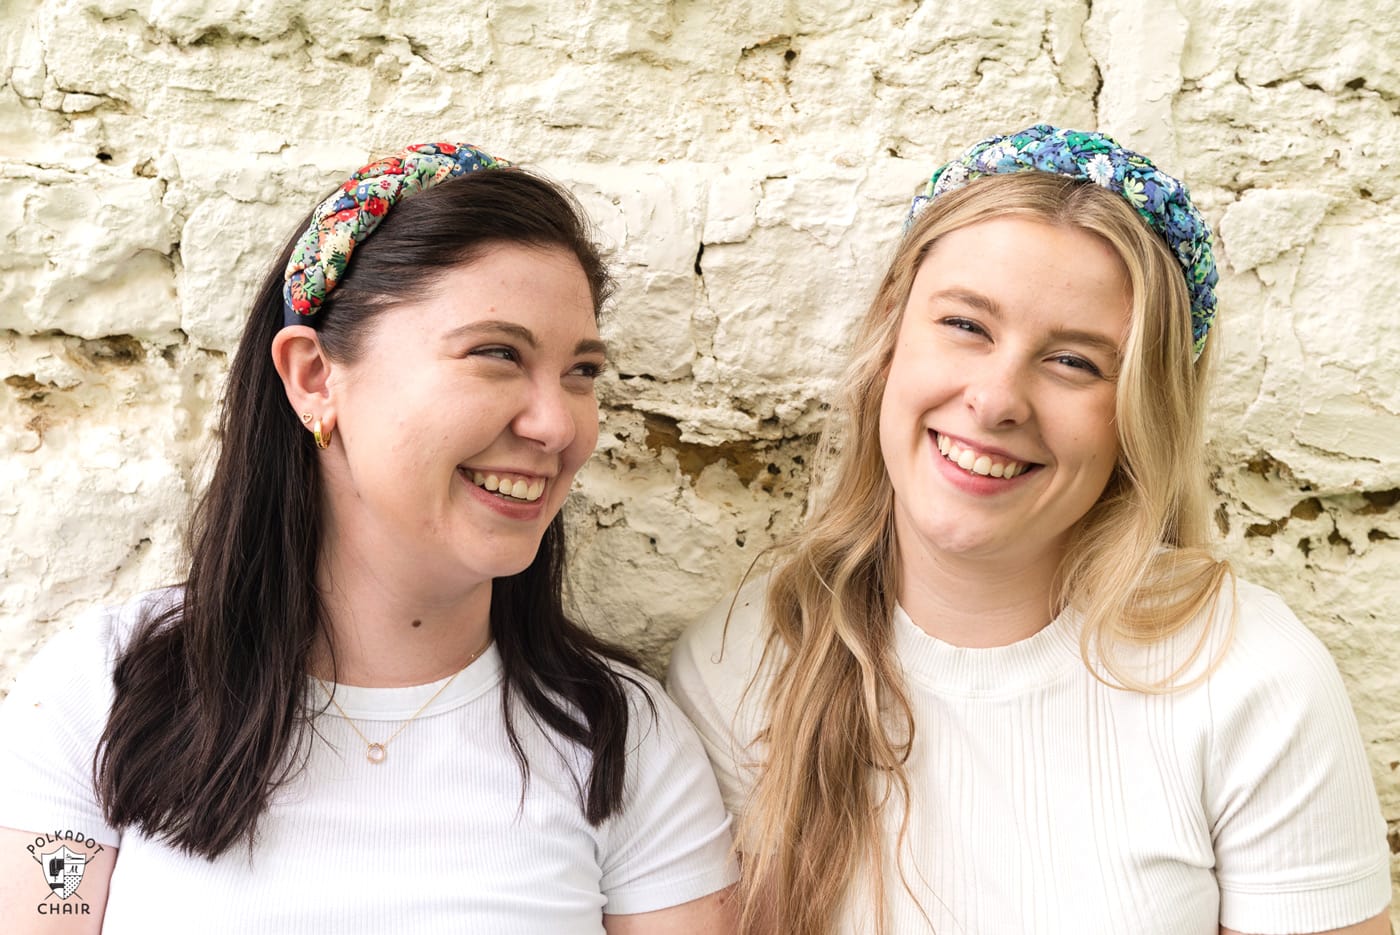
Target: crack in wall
x: 1096, y: 95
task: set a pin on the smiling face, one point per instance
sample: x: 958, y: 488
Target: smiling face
x: 997, y: 419
x: 463, y: 420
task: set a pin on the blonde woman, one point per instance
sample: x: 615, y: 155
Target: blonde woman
x: 999, y: 684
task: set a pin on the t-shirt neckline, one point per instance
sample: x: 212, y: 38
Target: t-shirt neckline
x: 397, y: 704
x: 996, y: 670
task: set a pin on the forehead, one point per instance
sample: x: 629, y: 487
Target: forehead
x: 540, y: 288
x: 515, y: 266
x: 1025, y: 263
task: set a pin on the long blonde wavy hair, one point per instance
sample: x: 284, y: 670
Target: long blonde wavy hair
x: 839, y: 725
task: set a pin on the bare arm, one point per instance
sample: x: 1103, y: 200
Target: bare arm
x: 1376, y: 925
x: 26, y: 903
x: 715, y: 914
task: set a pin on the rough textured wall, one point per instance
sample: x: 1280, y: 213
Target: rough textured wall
x: 747, y: 162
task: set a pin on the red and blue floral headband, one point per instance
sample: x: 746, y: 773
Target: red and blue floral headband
x: 346, y: 218
x: 1159, y: 199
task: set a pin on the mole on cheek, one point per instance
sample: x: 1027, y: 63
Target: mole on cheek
x: 417, y: 623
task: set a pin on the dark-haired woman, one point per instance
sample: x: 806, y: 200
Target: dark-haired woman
x: 366, y: 710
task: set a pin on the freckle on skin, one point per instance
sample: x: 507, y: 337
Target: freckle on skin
x: 417, y: 623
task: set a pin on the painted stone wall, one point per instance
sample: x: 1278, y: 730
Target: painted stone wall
x: 747, y: 162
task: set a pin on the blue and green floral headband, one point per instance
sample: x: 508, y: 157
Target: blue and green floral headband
x: 1159, y: 199
x: 346, y: 218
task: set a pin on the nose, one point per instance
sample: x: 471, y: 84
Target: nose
x: 548, y: 417
x: 998, y: 394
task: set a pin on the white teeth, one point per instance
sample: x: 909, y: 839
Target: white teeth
x: 976, y: 463
x: 517, y: 489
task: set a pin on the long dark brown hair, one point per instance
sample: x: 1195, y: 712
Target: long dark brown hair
x: 210, y: 715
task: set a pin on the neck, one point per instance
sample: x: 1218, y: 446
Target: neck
x: 977, y: 603
x: 387, y: 632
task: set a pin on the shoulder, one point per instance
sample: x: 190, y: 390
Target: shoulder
x: 1276, y: 704
x: 715, y: 666
x: 722, y: 651
x: 718, y: 676
x: 1262, y: 618
x: 68, y: 684
x: 1243, y: 641
x: 669, y: 843
x: 653, y: 718
x: 51, y: 723
x: 1296, y: 826
x: 1263, y: 648
x: 1275, y: 694
x: 94, y: 641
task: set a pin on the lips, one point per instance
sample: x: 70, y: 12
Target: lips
x: 977, y: 461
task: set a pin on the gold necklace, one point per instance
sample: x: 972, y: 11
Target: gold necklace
x: 375, y: 752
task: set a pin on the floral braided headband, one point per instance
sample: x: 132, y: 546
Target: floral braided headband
x: 1159, y: 199
x: 346, y: 218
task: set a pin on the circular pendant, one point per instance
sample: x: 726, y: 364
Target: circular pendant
x: 375, y: 753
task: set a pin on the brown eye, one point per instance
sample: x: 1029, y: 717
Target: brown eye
x: 964, y: 324
x: 1078, y: 363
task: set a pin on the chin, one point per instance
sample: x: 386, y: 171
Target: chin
x: 510, y: 569
x: 972, y: 549
x: 964, y: 545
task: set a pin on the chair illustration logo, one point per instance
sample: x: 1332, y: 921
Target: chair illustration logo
x: 63, y: 869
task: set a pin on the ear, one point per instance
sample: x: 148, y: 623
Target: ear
x: 305, y: 370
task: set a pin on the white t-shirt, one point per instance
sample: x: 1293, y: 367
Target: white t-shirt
x: 438, y: 837
x: 1045, y: 801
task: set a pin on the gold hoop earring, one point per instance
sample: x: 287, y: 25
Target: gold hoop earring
x: 323, y: 441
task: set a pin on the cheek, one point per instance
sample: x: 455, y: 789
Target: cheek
x: 1100, y: 438
x: 903, y: 401
x: 585, y: 417
x: 887, y: 423
x: 916, y: 378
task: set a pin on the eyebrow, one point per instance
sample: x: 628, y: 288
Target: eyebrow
x: 492, y: 328
x: 987, y: 305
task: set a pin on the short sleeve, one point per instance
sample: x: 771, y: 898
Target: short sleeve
x: 50, y: 725
x: 1297, y: 828
x: 671, y: 842
x: 712, y: 666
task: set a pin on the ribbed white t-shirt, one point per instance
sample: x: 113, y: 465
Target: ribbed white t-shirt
x: 436, y: 838
x: 1044, y: 801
